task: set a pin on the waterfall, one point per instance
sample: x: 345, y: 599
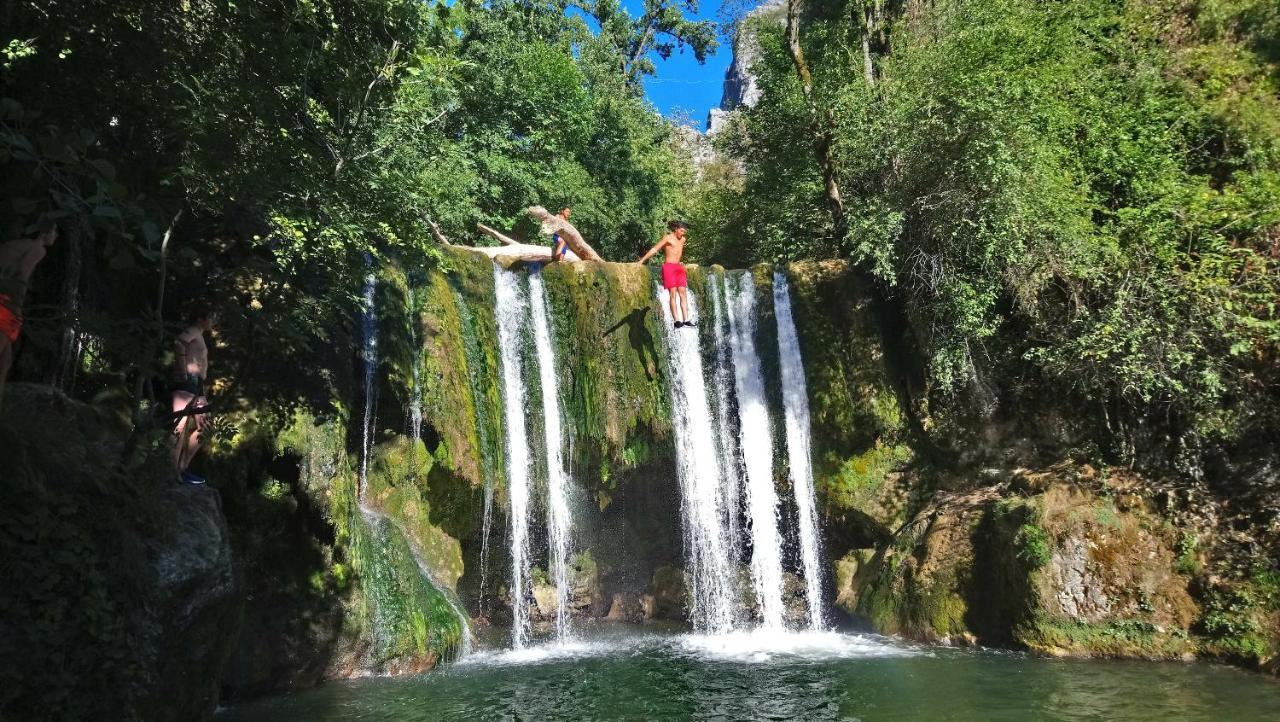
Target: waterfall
x: 369, y: 338
x: 795, y: 395
x: 707, y: 543
x: 558, y: 522
x: 415, y: 402
x: 476, y: 367
x: 757, y: 450
x: 726, y: 415
x: 376, y: 522
x: 509, y: 305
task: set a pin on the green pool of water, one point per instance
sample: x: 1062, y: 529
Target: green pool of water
x: 622, y: 673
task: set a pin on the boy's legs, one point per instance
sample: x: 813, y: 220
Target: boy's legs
x: 684, y: 303
x: 672, y: 298
x: 187, y: 431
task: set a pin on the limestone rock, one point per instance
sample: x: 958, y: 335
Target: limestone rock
x: 121, y: 593
x: 1064, y: 571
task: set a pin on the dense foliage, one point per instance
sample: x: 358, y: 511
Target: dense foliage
x: 1081, y: 196
x: 252, y: 154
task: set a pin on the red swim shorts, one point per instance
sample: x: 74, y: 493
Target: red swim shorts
x: 673, y: 276
x: 10, y: 319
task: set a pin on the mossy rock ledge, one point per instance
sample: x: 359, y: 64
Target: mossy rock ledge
x: 1056, y: 562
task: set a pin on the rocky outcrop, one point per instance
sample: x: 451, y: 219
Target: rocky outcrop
x: 121, y: 592
x: 1065, y: 561
x: 741, y: 90
x: 195, y: 603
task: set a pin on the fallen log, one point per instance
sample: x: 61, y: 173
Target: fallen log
x: 519, y: 251
x: 552, y: 223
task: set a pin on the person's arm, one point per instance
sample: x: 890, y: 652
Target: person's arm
x: 645, y: 258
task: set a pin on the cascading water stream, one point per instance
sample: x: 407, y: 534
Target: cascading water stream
x: 375, y: 521
x: 757, y: 450
x: 475, y: 369
x: 795, y: 395
x: 558, y: 518
x: 369, y: 337
x: 726, y: 415
x: 702, y: 505
x: 509, y: 306
x: 415, y: 402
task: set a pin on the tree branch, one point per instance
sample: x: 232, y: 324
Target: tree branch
x: 504, y: 239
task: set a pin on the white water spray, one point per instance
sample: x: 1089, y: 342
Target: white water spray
x: 757, y: 450
x: 795, y: 395
x: 707, y: 544
x: 509, y: 305
x: 558, y: 520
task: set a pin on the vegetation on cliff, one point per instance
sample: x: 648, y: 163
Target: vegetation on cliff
x: 1076, y: 199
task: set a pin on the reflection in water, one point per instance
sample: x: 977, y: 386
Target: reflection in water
x: 634, y: 674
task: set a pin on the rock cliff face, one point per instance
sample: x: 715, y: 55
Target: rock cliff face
x: 1055, y: 557
x: 740, y: 87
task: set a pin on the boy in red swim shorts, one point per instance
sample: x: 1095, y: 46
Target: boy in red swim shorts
x: 18, y: 259
x: 674, y: 278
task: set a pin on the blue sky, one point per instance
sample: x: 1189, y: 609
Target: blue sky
x: 683, y: 84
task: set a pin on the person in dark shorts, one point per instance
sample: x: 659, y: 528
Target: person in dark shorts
x: 674, y: 278
x: 191, y: 368
x: 560, y: 249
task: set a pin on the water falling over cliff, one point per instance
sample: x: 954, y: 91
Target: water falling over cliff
x: 726, y: 413
x: 757, y: 448
x: 702, y: 503
x: 795, y: 394
x: 509, y: 309
x: 369, y: 355
x: 558, y: 482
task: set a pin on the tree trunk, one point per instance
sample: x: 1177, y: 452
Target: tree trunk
x: 822, y: 122
x: 79, y: 235
x: 158, y: 330
x: 497, y: 235
x: 516, y: 251
x: 868, y: 23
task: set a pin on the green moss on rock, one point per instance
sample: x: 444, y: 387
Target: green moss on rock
x: 610, y: 344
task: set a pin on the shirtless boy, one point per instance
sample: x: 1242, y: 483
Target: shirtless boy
x: 674, y: 278
x: 191, y: 368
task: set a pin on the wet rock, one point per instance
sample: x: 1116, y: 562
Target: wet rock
x: 670, y: 593
x: 628, y: 607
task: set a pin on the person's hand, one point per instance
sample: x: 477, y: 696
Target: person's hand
x: 202, y: 419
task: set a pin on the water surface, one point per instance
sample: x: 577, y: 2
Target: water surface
x: 623, y: 673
